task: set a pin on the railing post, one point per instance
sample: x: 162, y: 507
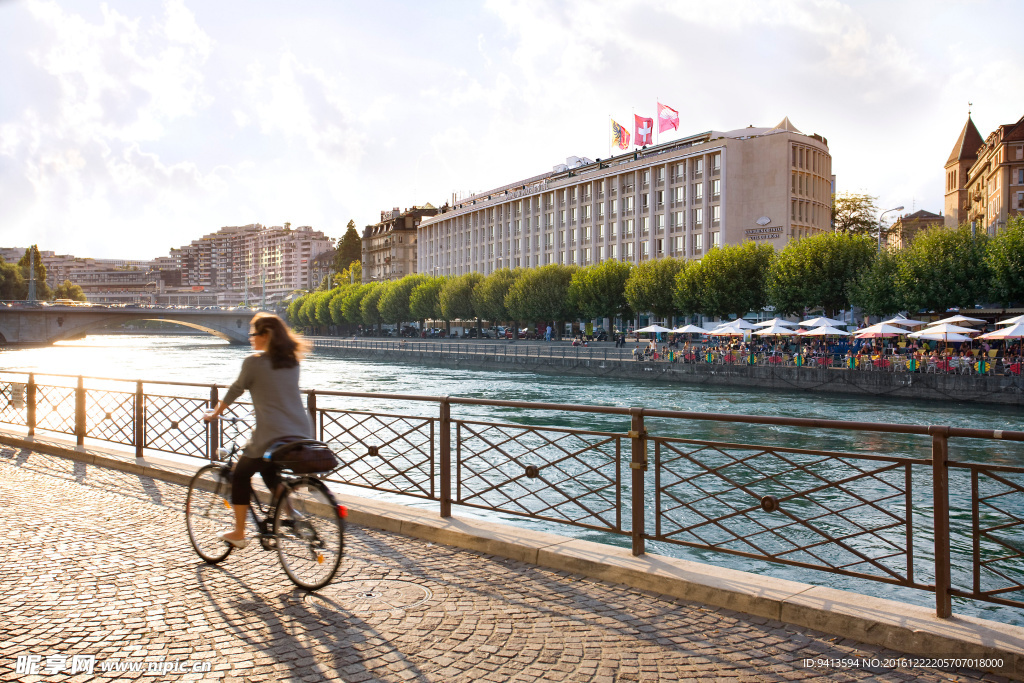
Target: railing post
x: 638, y: 465
x: 940, y: 506
x: 311, y: 407
x: 445, y: 426
x: 80, y: 412
x: 213, y: 428
x: 140, y: 420
x: 30, y: 398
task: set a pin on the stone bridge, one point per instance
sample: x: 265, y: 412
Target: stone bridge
x: 49, y: 324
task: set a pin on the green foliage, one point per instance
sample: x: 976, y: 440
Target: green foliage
x: 43, y: 291
x: 292, y: 312
x: 369, y: 309
x: 69, y: 290
x: 944, y: 268
x: 542, y: 294
x: 489, y: 295
x: 1005, y: 260
x: 322, y: 307
x: 855, y: 214
x: 686, y: 295
x: 307, y: 312
x: 874, y: 290
x: 12, y: 284
x: 651, y: 286
x: 338, y: 295
x: 424, y: 301
x: 728, y: 280
x: 598, y: 291
x: 456, y: 297
x: 351, y: 305
x: 818, y: 271
x: 394, y: 303
x: 353, y: 275
x: 349, y: 250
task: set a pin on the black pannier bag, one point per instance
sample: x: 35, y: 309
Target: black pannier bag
x: 304, y: 457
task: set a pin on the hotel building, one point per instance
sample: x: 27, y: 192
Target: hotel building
x: 678, y: 199
x: 985, y: 178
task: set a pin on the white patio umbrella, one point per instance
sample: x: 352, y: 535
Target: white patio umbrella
x: 957, y: 319
x: 821, y: 321
x: 945, y: 328
x: 776, y: 321
x: 951, y: 337
x: 1012, y: 321
x: 905, y: 322
x: 824, y: 331
x: 689, y: 329
x: 653, y: 328
x: 879, y: 330
x: 738, y: 324
x: 776, y: 329
x: 1012, y: 332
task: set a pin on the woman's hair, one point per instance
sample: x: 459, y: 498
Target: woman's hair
x: 284, y: 348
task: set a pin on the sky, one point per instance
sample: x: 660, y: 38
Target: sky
x: 131, y: 127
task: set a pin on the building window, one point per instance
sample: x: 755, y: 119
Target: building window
x: 698, y: 217
x: 680, y: 245
x: 572, y: 237
x: 659, y: 222
x: 646, y: 177
x: 561, y: 218
x: 586, y: 257
x: 659, y: 174
x: 698, y: 191
x: 628, y: 251
x: 716, y: 163
x: 697, y: 242
x: 715, y: 242
x: 613, y: 251
x: 716, y: 189
x: 600, y: 232
x: 677, y: 219
x: 612, y: 204
x: 698, y: 166
x: 600, y: 211
x: 644, y: 201
x: 659, y: 199
x: 680, y: 171
x: 611, y: 230
x: 627, y: 204
x: 572, y: 216
x: 679, y: 195
x: 627, y: 229
x: 645, y: 225
x: 586, y: 233
x: 644, y: 251
x: 586, y: 212
x: 1020, y: 176
x: 549, y: 241
x: 716, y: 214
x: 659, y: 248
x: 1020, y: 200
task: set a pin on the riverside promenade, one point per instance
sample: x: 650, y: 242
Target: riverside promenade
x: 98, y: 572
x: 603, y: 360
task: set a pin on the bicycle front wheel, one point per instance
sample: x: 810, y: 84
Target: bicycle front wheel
x: 208, y: 512
x: 310, y: 533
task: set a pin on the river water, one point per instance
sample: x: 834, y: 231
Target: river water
x: 205, y: 360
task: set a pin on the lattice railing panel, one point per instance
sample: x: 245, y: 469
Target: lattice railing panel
x: 997, y: 531
x: 14, y: 403
x: 55, y: 408
x: 392, y: 453
x: 175, y: 424
x: 567, y: 476
x: 829, y: 511
x: 110, y: 415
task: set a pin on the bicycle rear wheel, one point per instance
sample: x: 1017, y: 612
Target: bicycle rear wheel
x: 208, y: 512
x: 310, y: 533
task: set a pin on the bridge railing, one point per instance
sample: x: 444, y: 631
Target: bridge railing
x: 936, y: 524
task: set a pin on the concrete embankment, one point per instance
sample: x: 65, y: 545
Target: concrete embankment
x: 598, y: 362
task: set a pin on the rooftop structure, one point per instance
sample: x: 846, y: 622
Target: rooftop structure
x: 389, y: 247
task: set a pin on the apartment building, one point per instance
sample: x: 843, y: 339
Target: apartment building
x: 676, y: 199
x: 907, y: 226
x: 985, y: 177
x: 389, y: 247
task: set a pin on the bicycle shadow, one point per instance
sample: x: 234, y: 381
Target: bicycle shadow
x: 344, y: 634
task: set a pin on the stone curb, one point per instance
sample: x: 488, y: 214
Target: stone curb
x: 895, y: 625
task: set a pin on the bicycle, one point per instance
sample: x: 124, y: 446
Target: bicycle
x: 305, y: 526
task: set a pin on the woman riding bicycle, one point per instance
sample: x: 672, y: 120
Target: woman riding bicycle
x: 271, y: 375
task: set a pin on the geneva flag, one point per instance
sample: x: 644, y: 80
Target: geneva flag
x: 667, y: 118
x: 644, y: 131
x: 620, y: 136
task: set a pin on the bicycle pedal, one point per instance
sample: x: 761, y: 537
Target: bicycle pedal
x: 268, y: 543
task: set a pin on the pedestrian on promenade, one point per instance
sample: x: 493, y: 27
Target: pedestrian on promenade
x: 271, y: 376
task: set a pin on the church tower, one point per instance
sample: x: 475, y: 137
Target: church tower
x: 963, y: 156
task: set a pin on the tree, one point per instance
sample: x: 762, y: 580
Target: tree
x: 338, y: 295
x: 651, y: 287
x: 874, y: 290
x: 489, y: 295
x: 369, y: 305
x: 351, y: 306
x: 350, y: 249
x: 322, y: 304
x: 731, y: 279
x: 12, y: 284
x: 688, y: 291
x: 424, y: 303
x: 456, y: 297
x: 1005, y: 260
x: 353, y: 275
x: 394, y: 303
x: 69, y: 290
x: 818, y: 271
x: 599, y: 291
x: 292, y: 312
x: 42, y: 289
x: 542, y: 294
x: 943, y: 269
x: 855, y: 214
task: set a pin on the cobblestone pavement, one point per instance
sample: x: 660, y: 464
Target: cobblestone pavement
x: 97, y: 562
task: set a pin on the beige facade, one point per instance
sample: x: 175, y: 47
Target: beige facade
x: 907, y: 226
x: 995, y: 182
x: 958, y: 166
x: 389, y: 247
x: 677, y: 199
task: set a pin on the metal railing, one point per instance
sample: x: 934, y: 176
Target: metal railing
x: 930, y: 523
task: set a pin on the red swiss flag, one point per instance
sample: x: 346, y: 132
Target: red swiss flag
x: 644, y: 131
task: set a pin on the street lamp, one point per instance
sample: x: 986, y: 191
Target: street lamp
x: 898, y: 208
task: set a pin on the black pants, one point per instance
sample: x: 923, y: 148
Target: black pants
x: 241, y: 478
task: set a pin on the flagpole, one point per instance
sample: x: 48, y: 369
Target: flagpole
x: 657, y: 120
x: 606, y: 131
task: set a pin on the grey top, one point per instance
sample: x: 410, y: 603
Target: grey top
x: 276, y: 401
